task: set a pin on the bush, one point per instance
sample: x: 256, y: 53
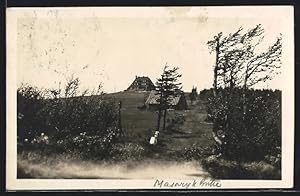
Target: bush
x: 29, y: 119
x: 206, y: 94
x: 87, y: 124
x: 73, y: 116
x: 194, y: 153
x: 228, y: 169
x: 90, y: 146
x: 127, y: 151
x: 250, y: 136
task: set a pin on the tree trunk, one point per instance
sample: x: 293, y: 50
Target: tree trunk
x: 215, y: 85
x: 158, y: 119
x: 119, y: 121
x: 244, y: 99
x: 215, y: 81
x: 159, y: 110
x: 216, y: 69
x: 165, y: 115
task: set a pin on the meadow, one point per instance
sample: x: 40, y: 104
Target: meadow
x: 139, y: 125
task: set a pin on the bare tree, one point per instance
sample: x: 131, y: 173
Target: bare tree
x: 221, y: 45
x: 240, y: 65
x: 259, y: 67
x: 262, y: 67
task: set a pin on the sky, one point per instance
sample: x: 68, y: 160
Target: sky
x: 113, y: 45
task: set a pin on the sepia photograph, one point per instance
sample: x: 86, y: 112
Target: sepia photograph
x: 186, y: 97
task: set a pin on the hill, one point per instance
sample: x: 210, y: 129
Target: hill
x: 185, y: 128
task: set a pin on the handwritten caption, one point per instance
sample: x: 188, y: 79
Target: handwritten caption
x: 204, y: 183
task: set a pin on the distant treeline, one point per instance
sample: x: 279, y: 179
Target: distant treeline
x: 205, y: 94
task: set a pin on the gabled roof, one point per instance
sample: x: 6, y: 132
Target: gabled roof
x: 153, y: 99
x: 141, y: 83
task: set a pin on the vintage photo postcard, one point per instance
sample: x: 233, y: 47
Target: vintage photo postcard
x: 112, y: 98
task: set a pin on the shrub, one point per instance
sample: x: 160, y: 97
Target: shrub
x: 86, y: 124
x: 205, y: 94
x: 249, y: 136
x: 195, y: 152
x: 127, y: 151
x: 91, y: 146
x: 73, y: 116
x: 228, y: 169
x: 29, y: 119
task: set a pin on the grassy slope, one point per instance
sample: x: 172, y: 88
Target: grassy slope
x: 136, y: 124
x: 139, y: 125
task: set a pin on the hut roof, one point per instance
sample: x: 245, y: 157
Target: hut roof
x: 153, y: 98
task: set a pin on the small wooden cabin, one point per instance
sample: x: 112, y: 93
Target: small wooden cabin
x: 177, y: 102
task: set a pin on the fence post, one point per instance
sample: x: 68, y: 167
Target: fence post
x: 119, y: 120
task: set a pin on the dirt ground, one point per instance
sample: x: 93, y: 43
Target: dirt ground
x: 147, y: 169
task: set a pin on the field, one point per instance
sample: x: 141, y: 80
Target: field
x: 139, y: 125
